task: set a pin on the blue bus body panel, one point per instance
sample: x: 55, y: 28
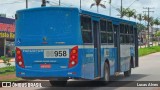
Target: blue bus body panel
x: 33, y: 25
x: 109, y: 54
x: 43, y: 29
x: 88, y: 63
x: 54, y: 72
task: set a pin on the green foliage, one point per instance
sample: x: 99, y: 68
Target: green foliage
x: 157, y: 34
x: 140, y: 17
x: 140, y: 27
x: 123, y: 13
x: 157, y: 21
x: 130, y: 12
x: 148, y: 50
x: 7, y: 70
x: 10, y: 68
x: 6, y: 60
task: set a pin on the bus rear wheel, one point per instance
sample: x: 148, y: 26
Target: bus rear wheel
x: 58, y: 83
x: 106, y: 77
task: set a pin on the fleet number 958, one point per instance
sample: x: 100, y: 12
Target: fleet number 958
x: 56, y: 53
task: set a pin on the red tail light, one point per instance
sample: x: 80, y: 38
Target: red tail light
x: 73, y: 59
x: 19, y: 58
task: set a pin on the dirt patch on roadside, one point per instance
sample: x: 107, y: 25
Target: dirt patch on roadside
x: 7, y: 77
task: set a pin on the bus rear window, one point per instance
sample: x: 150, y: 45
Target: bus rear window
x: 86, y: 29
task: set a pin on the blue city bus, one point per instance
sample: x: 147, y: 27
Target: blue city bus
x: 61, y: 43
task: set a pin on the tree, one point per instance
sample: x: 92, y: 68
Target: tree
x: 135, y: 17
x: 157, y: 34
x: 151, y: 21
x: 145, y: 18
x: 140, y: 27
x: 97, y: 3
x: 157, y: 22
x: 123, y: 13
x: 130, y: 12
x: 140, y: 17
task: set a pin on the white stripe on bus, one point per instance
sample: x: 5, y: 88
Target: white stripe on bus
x: 55, y: 47
x: 63, y: 47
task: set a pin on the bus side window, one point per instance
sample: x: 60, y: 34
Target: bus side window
x: 122, y: 39
x: 110, y: 37
x: 86, y: 29
x: 109, y: 32
x: 122, y: 33
x: 131, y: 35
x: 109, y: 25
x: 122, y: 28
x: 103, y: 27
x: 127, y: 39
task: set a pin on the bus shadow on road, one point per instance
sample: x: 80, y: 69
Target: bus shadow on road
x: 119, y: 81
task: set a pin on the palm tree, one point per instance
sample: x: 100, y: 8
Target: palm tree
x: 151, y: 21
x: 157, y: 22
x: 97, y: 3
x: 135, y: 17
x: 130, y: 12
x: 123, y: 13
x: 139, y: 17
x: 145, y: 18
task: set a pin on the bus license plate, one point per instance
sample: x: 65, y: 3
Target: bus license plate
x: 56, y: 53
x: 45, y: 65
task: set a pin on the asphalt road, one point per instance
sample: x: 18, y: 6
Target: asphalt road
x: 148, y: 70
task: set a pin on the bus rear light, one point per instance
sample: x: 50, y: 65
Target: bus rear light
x: 19, y: 58
x: 20, y: 63
x: 73, y: 60
x: 74, y: 51
x: 73, y: 57
x: 18, y: 52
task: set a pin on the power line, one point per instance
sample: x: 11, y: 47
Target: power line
x: 57, y: 3
x: 12, y: 2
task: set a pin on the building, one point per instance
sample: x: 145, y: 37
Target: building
x: 7, y: 35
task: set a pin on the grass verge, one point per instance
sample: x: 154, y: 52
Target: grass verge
x: 8, y: 74
x: 148, y: 50
x: 7, y: 70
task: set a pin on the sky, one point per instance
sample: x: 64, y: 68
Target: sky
x: 10, y: 7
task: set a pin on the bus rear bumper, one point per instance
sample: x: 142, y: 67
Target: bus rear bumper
x: 48, y: 74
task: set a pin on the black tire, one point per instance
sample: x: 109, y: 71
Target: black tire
x: 58, y: 83
x: 127, y: 73
x: 106, y: 77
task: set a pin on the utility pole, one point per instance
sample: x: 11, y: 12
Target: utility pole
x: 80, y: 4
x: 110, y: 8
x: 148, y: 10
x: 26, y: 3
x: 59, y: 2
x: 43, y: 3
x: 121, y: 9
